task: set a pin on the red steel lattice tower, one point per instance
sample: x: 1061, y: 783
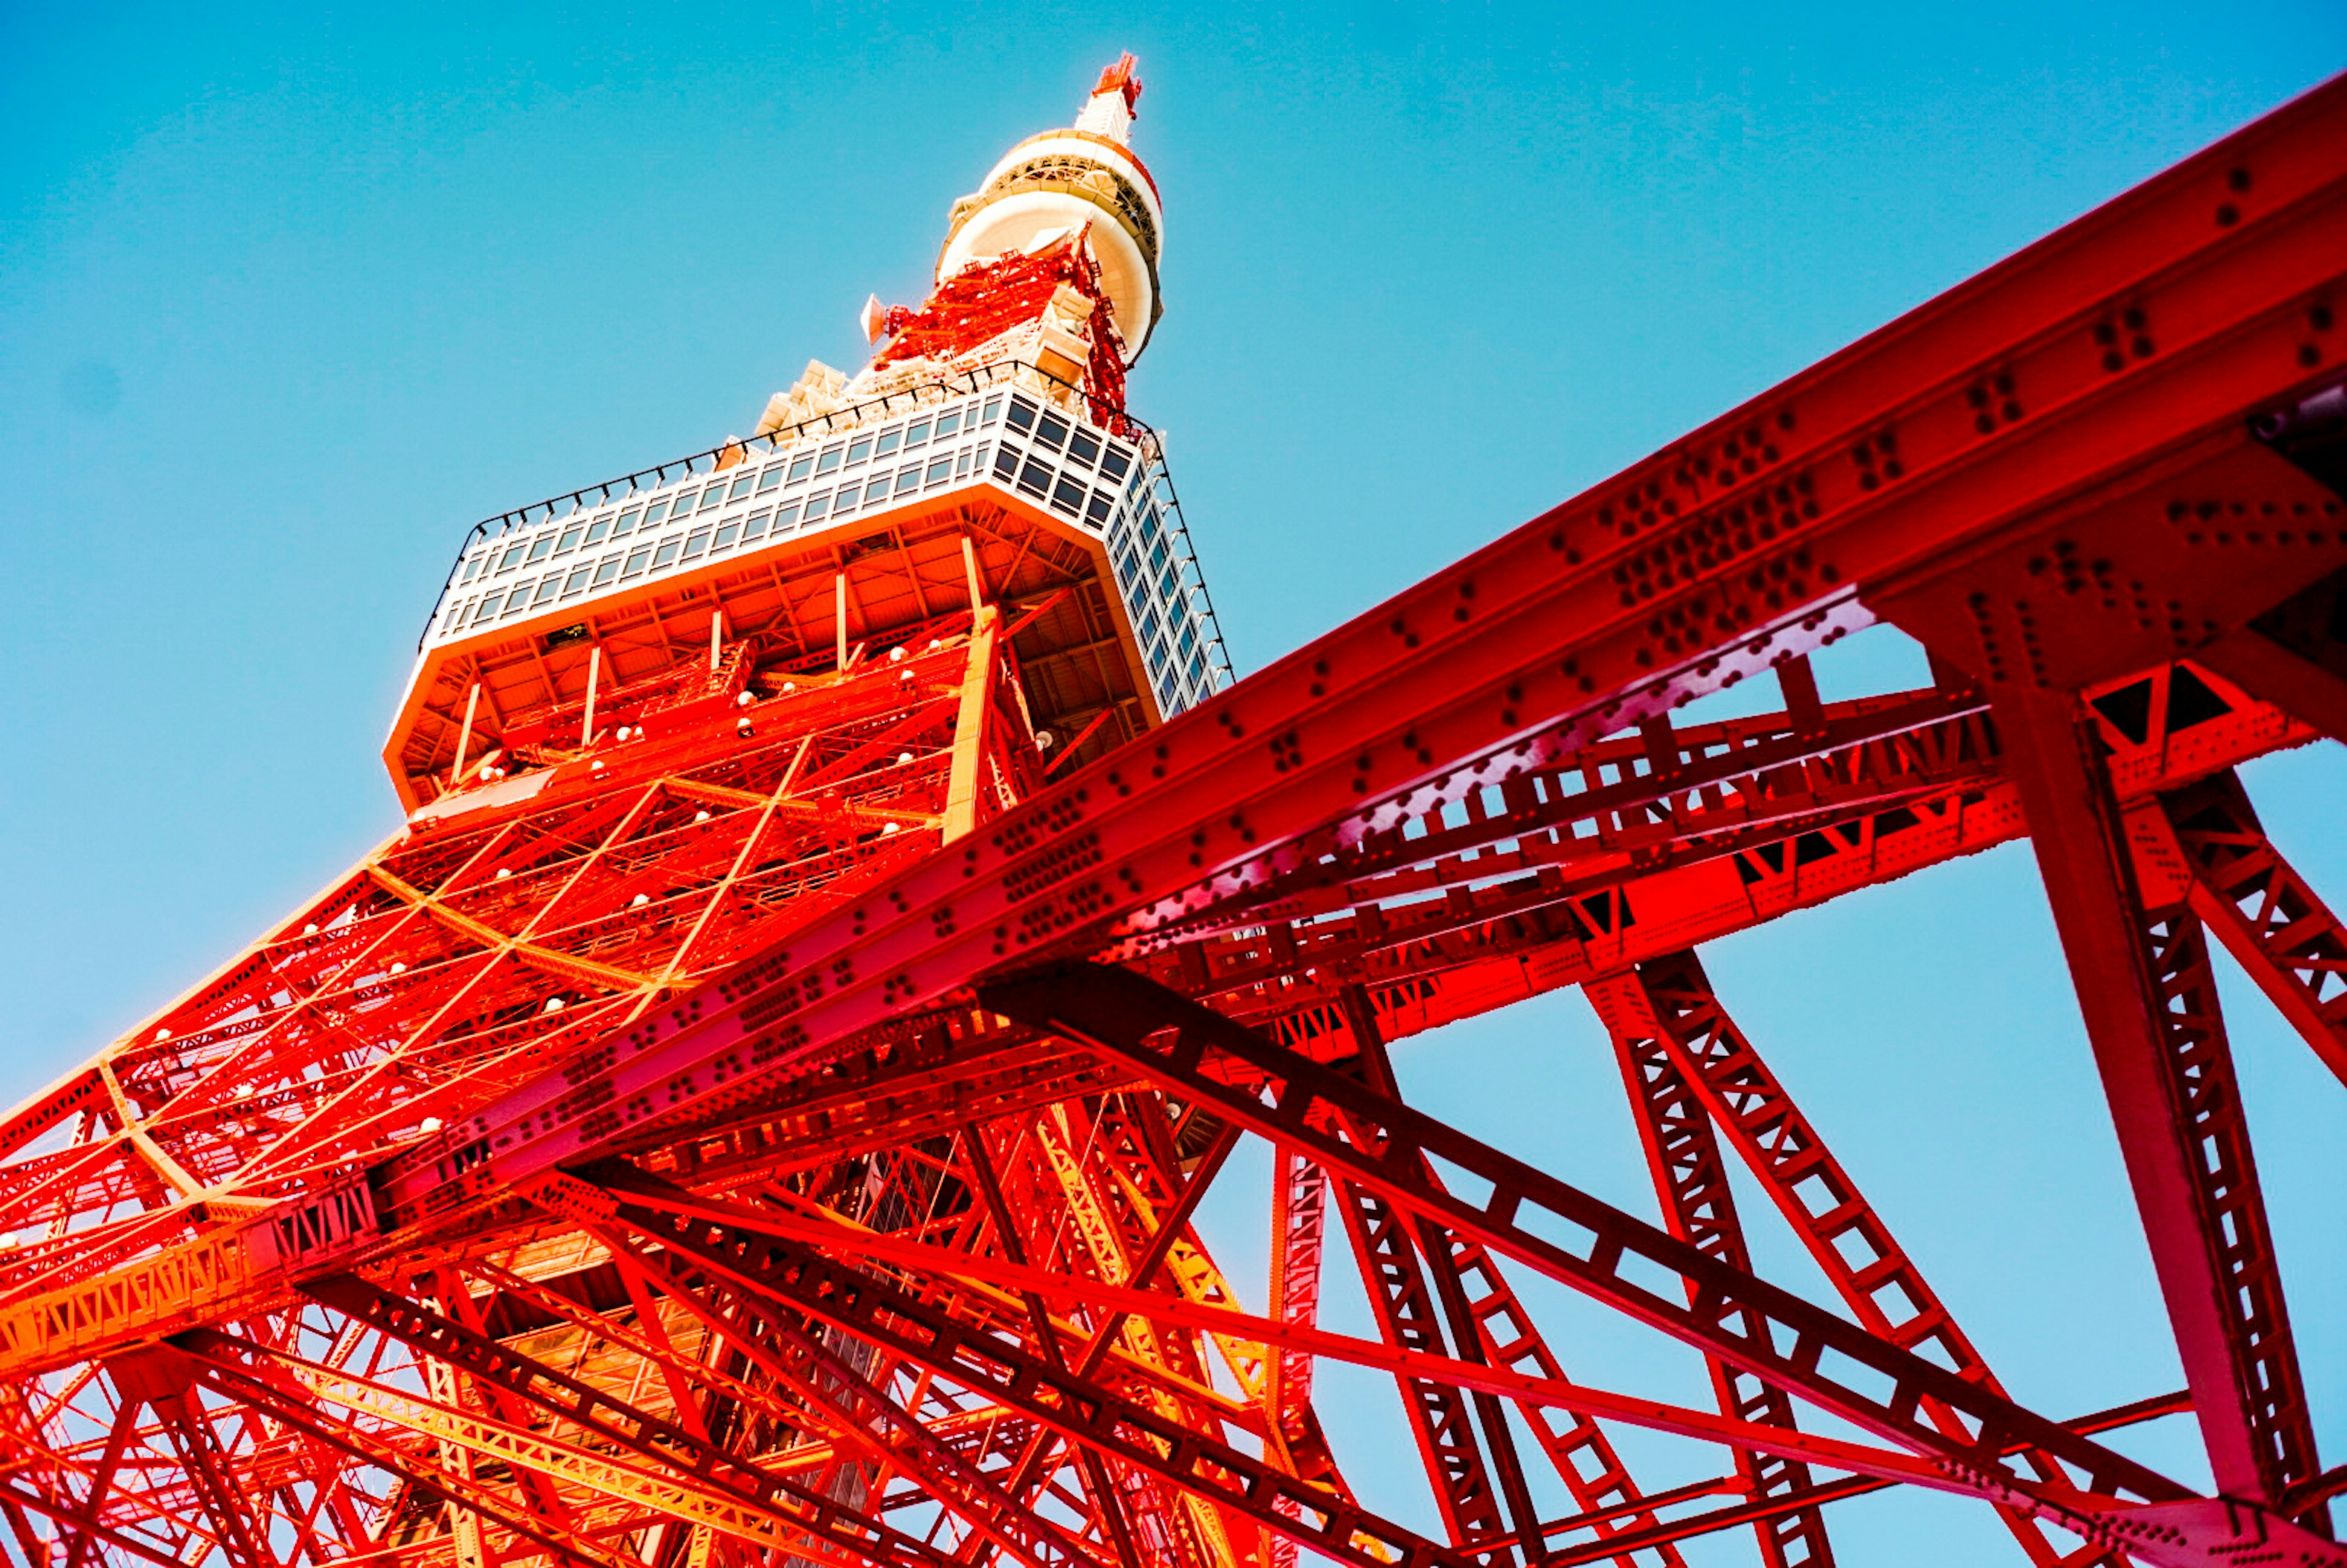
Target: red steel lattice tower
x: 755, y: 1110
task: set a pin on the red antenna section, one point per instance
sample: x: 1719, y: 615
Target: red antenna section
x: 1119, y: 78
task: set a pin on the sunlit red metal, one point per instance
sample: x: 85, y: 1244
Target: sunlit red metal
x: 774, y: 1133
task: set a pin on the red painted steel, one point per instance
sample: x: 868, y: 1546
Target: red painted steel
x: 778, y: 1137
x: 1668, y: 1004
x: 1691, y: 1180
x: 2275, y: 926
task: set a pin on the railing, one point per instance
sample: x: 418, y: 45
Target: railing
x: 1013, y: 373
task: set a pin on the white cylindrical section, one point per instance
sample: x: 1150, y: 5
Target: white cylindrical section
x: 1017, y: 221
x: 1089, y: 150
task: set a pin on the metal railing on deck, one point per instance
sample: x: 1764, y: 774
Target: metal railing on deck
x: 1012, y: 374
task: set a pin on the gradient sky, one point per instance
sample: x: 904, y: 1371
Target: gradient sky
x: 292, y: 294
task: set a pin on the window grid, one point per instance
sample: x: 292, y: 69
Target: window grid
x: 1112, y: 487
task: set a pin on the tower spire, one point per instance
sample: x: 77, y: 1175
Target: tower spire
x: 1085, y: 182
x: 1110, y: 112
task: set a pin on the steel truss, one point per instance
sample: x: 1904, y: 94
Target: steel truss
x: 780, y: 1140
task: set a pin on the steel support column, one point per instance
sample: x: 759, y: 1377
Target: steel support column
x: 2158, y: 1042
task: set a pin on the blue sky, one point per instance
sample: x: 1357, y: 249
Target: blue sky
x: 291, y: 294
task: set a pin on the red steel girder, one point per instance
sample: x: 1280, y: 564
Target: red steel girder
x: 1466, y: 680
x: 1691, y: 1182
x: 1490, y: 1324
x: 661, y: 1441
x: 792, y: 1276
x: 1194, y: 1052
x: 2151, y: 1014
x: 2268, y: 918
x: 1668, y: 1003
x: 1442, y: 1417
x: 2018, y: 473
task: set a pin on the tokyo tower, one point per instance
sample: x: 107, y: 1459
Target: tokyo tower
x: 754, y: 1112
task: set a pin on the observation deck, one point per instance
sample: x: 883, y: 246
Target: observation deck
x: 1003, y: 483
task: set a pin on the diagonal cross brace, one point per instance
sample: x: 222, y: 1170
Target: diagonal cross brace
x: 1169, y: 1037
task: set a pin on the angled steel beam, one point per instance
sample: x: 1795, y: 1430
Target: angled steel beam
x: 648, y: 1436
x: 2140, y: 966
x: 1691, y: 1182
x: 1490, y: 1324
x: 1194, y: 1052
x: 787, y: 1275
x: 2268, y: 916
x: 1878, y: 1281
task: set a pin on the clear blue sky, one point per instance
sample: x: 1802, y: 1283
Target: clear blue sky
x: 291, y: 294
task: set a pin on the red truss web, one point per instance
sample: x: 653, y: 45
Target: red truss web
x: 986, y: 299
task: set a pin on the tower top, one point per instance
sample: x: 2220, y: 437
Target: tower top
x: 1110, y: 112
x: 1082, y: 182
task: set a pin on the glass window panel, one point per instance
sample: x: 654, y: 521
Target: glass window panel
x: 909, y: 478
x: 993, y: 411
x: 802, y: 467
x: 1097, y: 511
x: 1081, y: 446
x: 682, y: 504
x: 771, y: 478
x: 786, y: 517
x: 655, y: 512
x: 516, y: 602
x: 940, y: 470
x: 754, y: 524
x: 1036, y: 477
x: 1022, y: 413
x: 1006, y: 462
x: 726, y: 536
x: 538, y: 550
x: 548, y: 587
x: 472, y: 569
x: 577, y: 581
x: 1053, y: 431
x: 1068, y: 496
x: 667, y: 553
x: 889, y: 439
x: 608, y: 570
x: 962, y: 463
x: 711, y: 496
x: 917, y: 432
x: 740, y: 487
x: 488, y: 607
x: 597, y: 530
x: 638, y: 559
x: 569, y: 540
x: 859, y: 449
x: 948, y: 423
x: 1113, y: 462
x: 816, y: 507
x: 627, y: 523
x: 696, y: 543
x: 830, y: 460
